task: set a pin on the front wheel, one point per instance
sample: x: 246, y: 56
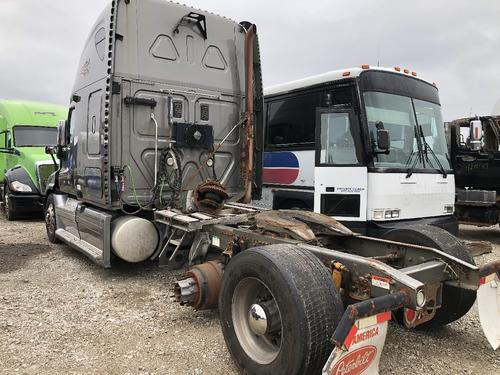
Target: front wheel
x: 278, y: 310
x: 50, y: 219
x: 10, y: 213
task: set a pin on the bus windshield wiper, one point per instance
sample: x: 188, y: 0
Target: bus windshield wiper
x: 410, y: 169
x: 428, y: 148
x: 419, y: 152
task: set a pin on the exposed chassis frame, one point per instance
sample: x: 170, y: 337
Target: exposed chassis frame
x: 404, y: 268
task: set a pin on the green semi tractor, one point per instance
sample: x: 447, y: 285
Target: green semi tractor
x: 25, y: 129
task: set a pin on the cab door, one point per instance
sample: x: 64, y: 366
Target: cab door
x: 340, y: 174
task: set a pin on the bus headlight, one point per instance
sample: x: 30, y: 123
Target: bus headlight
x: 448, y: 209
x: 378, y: 214
x: 20, y: 187
x: 381, y: 214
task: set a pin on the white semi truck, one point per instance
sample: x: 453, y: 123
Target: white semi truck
x: 159, y: 158
x: 323, y: 150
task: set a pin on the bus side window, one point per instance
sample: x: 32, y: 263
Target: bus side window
x: 290, y: 121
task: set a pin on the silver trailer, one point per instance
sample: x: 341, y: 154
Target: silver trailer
x: 159, y: 157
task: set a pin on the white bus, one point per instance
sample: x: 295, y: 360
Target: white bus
x: 364, y: 145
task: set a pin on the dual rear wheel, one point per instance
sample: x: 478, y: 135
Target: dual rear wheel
x: 278, y: 309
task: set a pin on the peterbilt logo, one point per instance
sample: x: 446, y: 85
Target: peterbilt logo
x: 356, y: 362
x: 44, y: 113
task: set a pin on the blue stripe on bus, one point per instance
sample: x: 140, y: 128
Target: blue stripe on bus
x: 280, y: 160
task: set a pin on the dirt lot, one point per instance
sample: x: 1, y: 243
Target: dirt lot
x: 59, y: 313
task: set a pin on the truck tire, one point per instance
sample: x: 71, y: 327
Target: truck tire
x: 50, y: 219
x: 10, y: 214
x: 278, y: 310
x: 456, y: 302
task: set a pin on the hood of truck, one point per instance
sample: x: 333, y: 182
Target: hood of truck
x: 419, y: 196
x: 28, y: 159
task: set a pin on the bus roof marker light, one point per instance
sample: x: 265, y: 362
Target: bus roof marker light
x: 346, y: 74
x: 365, y: 66
x: 406, y: 70
x: 397, y: 68
x: 414, y: 74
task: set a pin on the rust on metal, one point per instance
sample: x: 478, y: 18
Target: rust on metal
x: 360, y: 288
x: 210, y: 196
x: 477, y: 248
x: 364, y: 309
x: 489, y: 268
x: 280, y: 222
x: 338, y: 272
x: 199, y: 287
x: 425, y: 314
x: 391, y: 257
x: 319, y: 223
x: 247, y: 145
x: 300, y: 225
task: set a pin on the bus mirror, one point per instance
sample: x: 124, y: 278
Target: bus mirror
x: 383, y: 139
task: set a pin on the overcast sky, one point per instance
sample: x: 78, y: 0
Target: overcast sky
x: 455, y: 43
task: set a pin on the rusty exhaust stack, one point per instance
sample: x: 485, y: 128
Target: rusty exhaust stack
x: 246, y: 159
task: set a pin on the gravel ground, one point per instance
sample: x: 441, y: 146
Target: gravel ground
x: 60, y: 313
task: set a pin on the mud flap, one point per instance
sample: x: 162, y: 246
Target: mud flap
x: 362, y: 348
x: 488, y: 303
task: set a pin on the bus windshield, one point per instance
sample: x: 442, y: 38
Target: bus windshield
x: 401, y: 115
x: 34, y: 136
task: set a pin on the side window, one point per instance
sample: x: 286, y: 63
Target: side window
x: 5, y: 139
x: 291, y: 121
x: 337, y: 141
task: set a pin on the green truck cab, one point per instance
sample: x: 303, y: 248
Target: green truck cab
x: 26, y: 128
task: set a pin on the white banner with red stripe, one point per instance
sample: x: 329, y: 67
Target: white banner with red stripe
x: 362, y: 348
